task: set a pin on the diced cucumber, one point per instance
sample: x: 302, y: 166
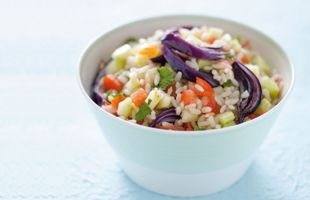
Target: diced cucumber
x: 258, y: 60
x: 226, y: 37
x: 203, y: 63
x: 187, y: 116
x: 193, y: 40
x: 217, y: 32
x: 140, y: 61
x: 165, y: 102
x: 132, y: 84
x: 153, y: 98
x: 235, y: 45
x: 254, y: 69
x: 226, y: 117
x: 231, y: 123
x: 112, y: 67
x: 263, y: 107
x: 125, y: 107
x: 270, y: 85
x: 120, y: 55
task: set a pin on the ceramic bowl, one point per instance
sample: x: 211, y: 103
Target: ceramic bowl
x: 183, y: 163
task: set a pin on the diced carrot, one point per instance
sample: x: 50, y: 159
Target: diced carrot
x: 188, y: 97
x: 110, y: 82
x: 245, y: 59
x: 150, y: 51
x: 209, y: 101
x: 211, y: 39
x: 116, y: 100
x: 138, y: 97
x: 171, y: 127
x: 246, y: 44
x: 188, y: 126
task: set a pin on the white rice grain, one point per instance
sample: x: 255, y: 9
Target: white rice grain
x: 194, y: 111
x: 245, y: 94
x: 147, y: 87
x: 223, y: 109
x: 166, y: 124
x: 178, y: 77
x: 169, y: 91
x: 156, y: 79
x: 178, y: 98
x: 178, y: 110
x: 190, y: 106
x: 211, y: 121
x: 199, y: 88
x: 206, y: 109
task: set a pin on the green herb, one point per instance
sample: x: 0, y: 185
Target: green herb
x: 197, y: 128
x: 111, y: 94
x: 228, y: 83
x: 230, y: 55
x: 238, y: 38
x: 144, y: 110
x: 166, y: 77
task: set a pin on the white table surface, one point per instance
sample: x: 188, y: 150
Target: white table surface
x: 50, y: 145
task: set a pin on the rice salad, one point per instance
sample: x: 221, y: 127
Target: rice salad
x: 187, y: 78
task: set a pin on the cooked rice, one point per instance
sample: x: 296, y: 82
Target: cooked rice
x: 205, y: 115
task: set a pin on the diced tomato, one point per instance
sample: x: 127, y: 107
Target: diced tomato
x: 209, y: 101
x: 116, y: 100
x: 110, y: 82
x: 138, y: 97
x: 188, y: 97
x: 252, y: 116
x: 207, y: 88
x: 171, y: 127
x: 188, y: 126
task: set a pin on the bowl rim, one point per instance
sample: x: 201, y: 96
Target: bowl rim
x: 187, y: 133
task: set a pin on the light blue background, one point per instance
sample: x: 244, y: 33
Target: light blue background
x: 50, y: 145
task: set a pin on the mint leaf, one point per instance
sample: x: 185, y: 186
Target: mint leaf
x: 166, y: 77
x: 144, y: 110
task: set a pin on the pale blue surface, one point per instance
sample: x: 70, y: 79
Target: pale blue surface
x: 50, y: 145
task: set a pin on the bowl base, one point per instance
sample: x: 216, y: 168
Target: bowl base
x: 184, y: 185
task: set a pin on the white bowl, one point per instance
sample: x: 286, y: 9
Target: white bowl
x: 183, y: 163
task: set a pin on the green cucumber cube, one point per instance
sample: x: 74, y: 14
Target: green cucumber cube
x: 132, y: 84
x: 226, y: 118
x: 263, y: 107
x: 187, y: 116
x: 254, y: 69
x: 153, y: 98
x: 231, y: 123
x: 112, y: 67
x: 165, y: 102
x: 125, y: 107
x: 271, y: 86
x: 120, y: 55
x: 203, y: 63
x: 258, y: 60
